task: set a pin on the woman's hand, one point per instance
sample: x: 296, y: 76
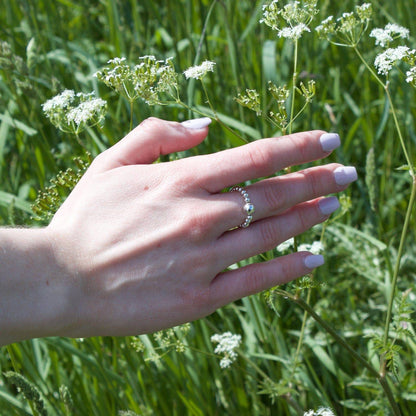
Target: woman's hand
x: 141, y: 246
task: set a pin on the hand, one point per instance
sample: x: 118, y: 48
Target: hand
x: 144, y: 246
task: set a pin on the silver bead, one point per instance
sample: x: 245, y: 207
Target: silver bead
x: 249, y: 208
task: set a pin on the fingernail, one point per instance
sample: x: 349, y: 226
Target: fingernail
x: 314, y: 260
x: 328, y: 205
x: 329, y: 141
x: 345, y: 174
x: 197, y: 123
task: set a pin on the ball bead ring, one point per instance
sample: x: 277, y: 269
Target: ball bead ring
x: 248, y: 207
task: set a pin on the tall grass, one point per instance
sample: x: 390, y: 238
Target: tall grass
x: 62, y: 43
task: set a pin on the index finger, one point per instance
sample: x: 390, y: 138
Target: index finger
x: 262, y: 158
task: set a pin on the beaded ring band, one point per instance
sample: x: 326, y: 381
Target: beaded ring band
x: 248, y: 207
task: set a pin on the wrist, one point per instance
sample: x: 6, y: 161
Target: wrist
x: 37, y: 297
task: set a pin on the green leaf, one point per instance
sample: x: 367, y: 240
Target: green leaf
x: 5, y: 118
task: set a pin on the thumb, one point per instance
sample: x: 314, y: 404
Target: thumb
x: 152, y: 138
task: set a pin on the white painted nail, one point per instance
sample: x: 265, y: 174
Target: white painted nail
x: 197, y: 123
x: 314, y: 260
x: 328, y: 205
x: 329, y: 141
x: 345, y: 174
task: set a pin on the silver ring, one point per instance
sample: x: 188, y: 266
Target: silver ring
x: 248, y: 207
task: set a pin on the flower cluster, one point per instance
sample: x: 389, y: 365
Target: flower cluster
x: 199, y: 71
x: 167, y: 340
x: 392, y: 31
x: 348, y: 28
x: 251, y: 100
x: 72, y: 112
x: 390, y: 57
x: 297, y: 16
x: 385, y: 61
x: 286, y: 245
x: 315, y: 248
x: 149, y: 78
x: 227, y: 343
x: 322, y: 411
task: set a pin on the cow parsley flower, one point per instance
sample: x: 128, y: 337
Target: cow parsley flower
x: 384, y: 62
x: 86, y: 110
x: 251, y: 100
x: 348, y: 28
x: 146, y: 80
x: 227, y: 343
x: 392, y: 31
x: 199, y: 71
x: 281, y: 248
x: 72, y: 112
x: 296, y: 15
x: 411, y: 76
x: 315, y: 248
x: 293, y: 32
x: 59, y: 102
x: 364, y: 12
x: 322, y: 411
x: 327, y: 27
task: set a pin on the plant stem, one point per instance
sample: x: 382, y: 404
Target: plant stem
x: 408, y: 212
x: 341, y: 341
x: 131, y: 115
x: 393, y: 110
x: 397, y: 268
x: 294, y: 79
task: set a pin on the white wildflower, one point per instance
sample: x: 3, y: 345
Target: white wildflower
x: 199, y: 71
x: 86, y: 111
x: 293, y: 32
x: 382, y: 36
x: 384, y: 62
x: 59, y: 102
x: 315, y: 248
x: 401, y: 31
x: 146, y: 80
x: 411, y: 75
x: 227, y: 343
x: 281, y: 248
x: 296, y: 15
x: 364, y: 12
x: 326, y: 27
x: 322, y: 411
x: 72, y: 112
x: 392, y: 31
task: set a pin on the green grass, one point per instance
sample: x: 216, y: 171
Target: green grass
x: 69, y: 40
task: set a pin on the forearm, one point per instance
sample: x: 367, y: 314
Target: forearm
x: 34, y: 299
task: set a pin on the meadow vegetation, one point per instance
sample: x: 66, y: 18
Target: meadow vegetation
x: 342, y: 338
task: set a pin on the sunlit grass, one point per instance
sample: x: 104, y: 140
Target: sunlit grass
x: 62, y: 44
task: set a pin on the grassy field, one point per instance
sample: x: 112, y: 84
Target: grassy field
x: 342, y: 338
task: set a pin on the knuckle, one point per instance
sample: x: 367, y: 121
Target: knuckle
x: 99, y: 160
x: 268, y: 234
x: 312, y: 181
x: 198, y: 227
x: 195, y: 298
x: 274, y: 196
x: 301, y: 143
x: 304, y: 220
x: 150, y: 121
x: 255, y: 281
x: 260, y: 159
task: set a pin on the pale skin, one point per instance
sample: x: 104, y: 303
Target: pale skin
x: 140, y: 246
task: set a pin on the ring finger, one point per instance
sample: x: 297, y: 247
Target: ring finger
x: 266, y: 234
x: 276, y: 195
